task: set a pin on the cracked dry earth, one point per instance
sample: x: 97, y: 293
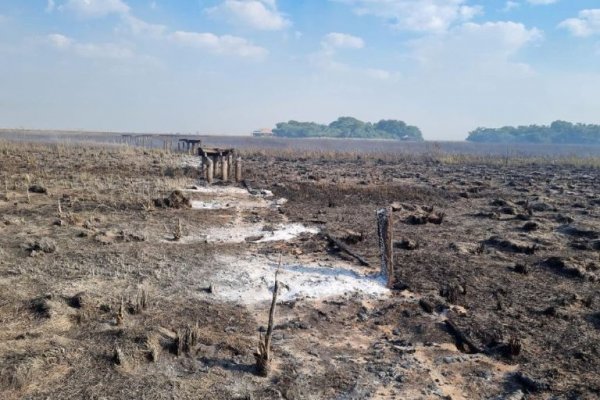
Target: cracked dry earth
x: 496, y: 293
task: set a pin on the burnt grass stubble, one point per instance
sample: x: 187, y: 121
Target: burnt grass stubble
x: 529, y: 296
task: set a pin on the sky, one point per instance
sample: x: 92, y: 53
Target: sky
x: 233, y: 66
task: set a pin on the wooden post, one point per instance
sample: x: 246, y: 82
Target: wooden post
x: 238, y: 169
x: 219, y: 166
x: 210, y: 170
x: 225, y: 169
x: 231, y: 166
x: 385, y: 233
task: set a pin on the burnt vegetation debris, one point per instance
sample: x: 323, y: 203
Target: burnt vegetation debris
x: 492, y: 308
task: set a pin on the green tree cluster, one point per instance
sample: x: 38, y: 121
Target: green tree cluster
x: 559, y: 132
x: 348, y: 127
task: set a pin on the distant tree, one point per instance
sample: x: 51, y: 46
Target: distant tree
x: 297, y: 129
x: 558, y: 132
x: 399, y: 129
x: 349, y: 127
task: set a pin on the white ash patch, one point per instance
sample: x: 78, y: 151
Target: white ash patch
x: 225, y: 204
x: 218, y: 190
x: 255, y: 233
x: 250, y: 280
x: 230, y: 197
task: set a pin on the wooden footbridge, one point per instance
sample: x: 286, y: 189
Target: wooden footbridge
x: 189, y: 144
x: 224, y: 164
x: 216, y: 163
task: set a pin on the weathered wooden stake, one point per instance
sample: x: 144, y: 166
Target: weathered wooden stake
x: 231, y: 166
x: 219, y: 166
x: 225, y: 169
x: 238, y: 169
x: 385, y: 233
x: 210, y: 170
x: 202, y: 168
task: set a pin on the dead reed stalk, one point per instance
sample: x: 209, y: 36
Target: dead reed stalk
x: 141, y: 301
x: 28, y: 179
x: 263, y: 356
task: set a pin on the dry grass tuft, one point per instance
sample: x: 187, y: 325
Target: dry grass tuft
x: 120, y: 318
x: 186, y: 340
x: 118, y: 357
x: 40, y: 246
x: 141, y: 301
x: 178, y: 230
x: 153, y: 347
x: 41, y: 306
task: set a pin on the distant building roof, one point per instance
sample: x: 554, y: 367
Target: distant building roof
x: 262, y: 132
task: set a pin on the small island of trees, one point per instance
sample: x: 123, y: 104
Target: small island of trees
x: 348, y: 127
x: 559, y: 132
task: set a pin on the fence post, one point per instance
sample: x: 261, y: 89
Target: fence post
x: 238, y: 169
x: 225, y: 169
x: 210, y: 170
x: 385, y: 233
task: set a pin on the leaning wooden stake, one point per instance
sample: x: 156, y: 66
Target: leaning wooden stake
x: 385, y: 233
x: 263, y: 356
x: 345, y: 248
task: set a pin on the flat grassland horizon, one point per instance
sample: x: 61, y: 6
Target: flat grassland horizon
x: 318, y: 145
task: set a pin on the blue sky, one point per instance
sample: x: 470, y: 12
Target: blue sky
x: 232, y: 66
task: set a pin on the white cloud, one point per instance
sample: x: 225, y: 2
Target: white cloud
x: 103, y: 8
x: 226, y: 44
x: 331, y: 43
x: 380, y: 74
x: 417, y: 15
x: 477, y: 49
x: 511, y: 5
x: 587, y: 23
x: 140, y: 27
x: 89, y: 50
x: 95, y: 8
x: 50, y: 5
x: 59, y: 41
x: 343, y: 41
x: 257, y: 14
x: 542, y: 2
x: 325, y: 58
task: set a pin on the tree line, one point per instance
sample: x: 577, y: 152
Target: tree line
x: 560, y: 132
x: 349, y: 127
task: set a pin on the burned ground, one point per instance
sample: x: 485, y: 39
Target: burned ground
x: 484, y: 307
